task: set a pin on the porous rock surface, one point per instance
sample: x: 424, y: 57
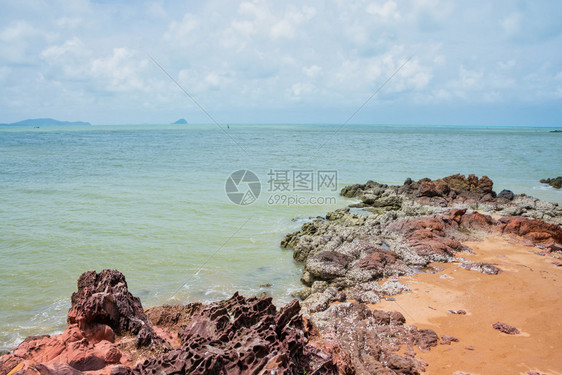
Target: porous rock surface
x: 242, y: 336
x: 103, y: 313
x: 397, y: 230
x: 235, y: 336
x: 367, y: 340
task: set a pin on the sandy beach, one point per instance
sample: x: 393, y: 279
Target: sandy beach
x: 526, y: 295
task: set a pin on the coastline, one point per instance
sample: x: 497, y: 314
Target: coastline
x: 357, y: 261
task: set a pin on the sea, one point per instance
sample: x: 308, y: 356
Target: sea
x: 197, y: 212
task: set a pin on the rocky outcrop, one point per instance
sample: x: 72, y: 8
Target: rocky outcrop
x: 243, y: 336
x: 236, y: 336
x: 457, y: 191
x: 368, y: 341
x: 554, y: 182
x: 396, y: 230
x: 103, y: 299
x: 105, y: 319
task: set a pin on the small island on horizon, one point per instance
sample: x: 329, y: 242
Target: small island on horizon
x: 181, y: 121
x: 46, y: 122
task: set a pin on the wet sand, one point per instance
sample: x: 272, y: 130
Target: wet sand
x: 526, y: 295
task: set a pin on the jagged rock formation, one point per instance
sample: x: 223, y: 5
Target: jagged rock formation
x: 104, y: 300
x: 236, y: 336
x: 395, y: 230
x: 105, y: 319
x: 243, y: 336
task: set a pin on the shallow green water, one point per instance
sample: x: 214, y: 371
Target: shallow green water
x: 151, y: 202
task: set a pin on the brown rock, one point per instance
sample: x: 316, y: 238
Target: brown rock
x: 378, y: 260
x: 104, y: 299
x: 425, y: 338
x: 242, y: 335
x: 447, y: 340
x: 506, y: 328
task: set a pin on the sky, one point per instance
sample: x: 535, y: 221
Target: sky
x: 376, y: 62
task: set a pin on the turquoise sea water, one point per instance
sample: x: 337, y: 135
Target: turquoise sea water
x: 151, y: 202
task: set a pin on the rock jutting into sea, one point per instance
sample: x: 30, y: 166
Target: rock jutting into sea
x: 398, y: 230
x: 352, y: 260
x: 554, y: 182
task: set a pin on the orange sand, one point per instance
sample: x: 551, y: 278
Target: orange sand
x: 527, y: 295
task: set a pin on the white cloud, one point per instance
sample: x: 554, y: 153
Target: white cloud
x: 17, y: 31
x: 312, y: 71
x: 183, y: 32
x: 70, y: 47
x: 288, y: 25
x: 300, y: 89
x: 468, y: 78
x: 122, y: 71
x: 69, y: 60
x: 17, y: 40
x: 386, y: 11
x: 69, y: 22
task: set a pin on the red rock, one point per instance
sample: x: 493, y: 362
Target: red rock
x: 536, y: 231
x: 478, y: 221
x: 101, y: 307
x: 113, y: 355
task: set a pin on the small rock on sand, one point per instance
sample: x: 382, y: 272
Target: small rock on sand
x: 506, y: 328
x: 459, y: 312
x: 447, y: 340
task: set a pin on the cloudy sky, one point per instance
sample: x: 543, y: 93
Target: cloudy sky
x: 477, y: 62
